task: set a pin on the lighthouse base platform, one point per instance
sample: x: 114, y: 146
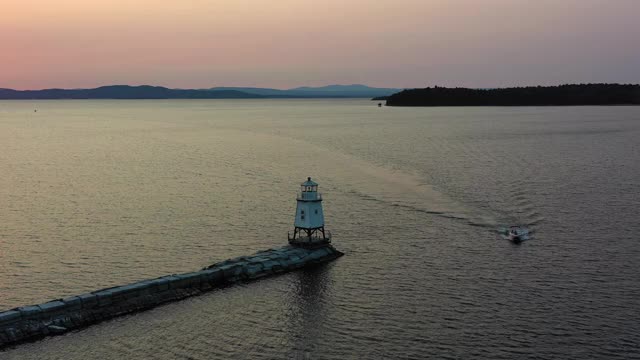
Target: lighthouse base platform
x: 55, y: 317
x: 310, y: 243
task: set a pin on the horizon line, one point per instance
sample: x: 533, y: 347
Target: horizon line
x: 320, y: 86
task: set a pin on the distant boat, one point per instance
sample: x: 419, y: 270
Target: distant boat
x: 517, y: 234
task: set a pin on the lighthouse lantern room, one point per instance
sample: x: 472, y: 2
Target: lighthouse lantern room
x: 309, y: 220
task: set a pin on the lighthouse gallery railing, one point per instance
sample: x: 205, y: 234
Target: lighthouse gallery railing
x: 301, y: 196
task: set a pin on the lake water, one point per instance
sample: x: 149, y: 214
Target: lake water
x: 102, y: 193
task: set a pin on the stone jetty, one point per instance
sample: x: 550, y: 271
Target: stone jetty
x: 55, y: 317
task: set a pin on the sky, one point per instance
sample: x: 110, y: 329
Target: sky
x: 289, y: 43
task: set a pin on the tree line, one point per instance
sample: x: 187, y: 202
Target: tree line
x: 562, y: 95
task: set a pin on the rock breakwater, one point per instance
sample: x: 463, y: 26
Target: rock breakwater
x: 59, y: 316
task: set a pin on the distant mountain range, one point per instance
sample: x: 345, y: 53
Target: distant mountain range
x: 159, y: 92
x: 330, y: 91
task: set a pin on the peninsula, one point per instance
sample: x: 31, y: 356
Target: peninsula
x: 563, y: 95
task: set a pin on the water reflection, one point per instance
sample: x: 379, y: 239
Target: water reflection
x: 307, y: 310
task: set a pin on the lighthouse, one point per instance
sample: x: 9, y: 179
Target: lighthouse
x: 309, y: 220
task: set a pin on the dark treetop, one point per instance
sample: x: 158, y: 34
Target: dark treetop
x: 583, y: 94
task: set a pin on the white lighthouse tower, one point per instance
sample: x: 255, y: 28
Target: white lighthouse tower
x: 309, y: 220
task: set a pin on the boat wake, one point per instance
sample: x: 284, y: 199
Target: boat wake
x: 397, y: 188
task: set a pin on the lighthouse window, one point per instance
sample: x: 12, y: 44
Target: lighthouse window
x: 316, y: 211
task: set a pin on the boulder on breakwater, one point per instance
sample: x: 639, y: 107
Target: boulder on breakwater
x: 59, y: 316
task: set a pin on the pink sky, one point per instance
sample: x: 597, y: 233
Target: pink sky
x: 288, y: 43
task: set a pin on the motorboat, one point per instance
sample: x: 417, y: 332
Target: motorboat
x: 517, y: 234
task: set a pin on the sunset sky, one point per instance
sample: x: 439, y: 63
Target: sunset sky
x: 288, y: 43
